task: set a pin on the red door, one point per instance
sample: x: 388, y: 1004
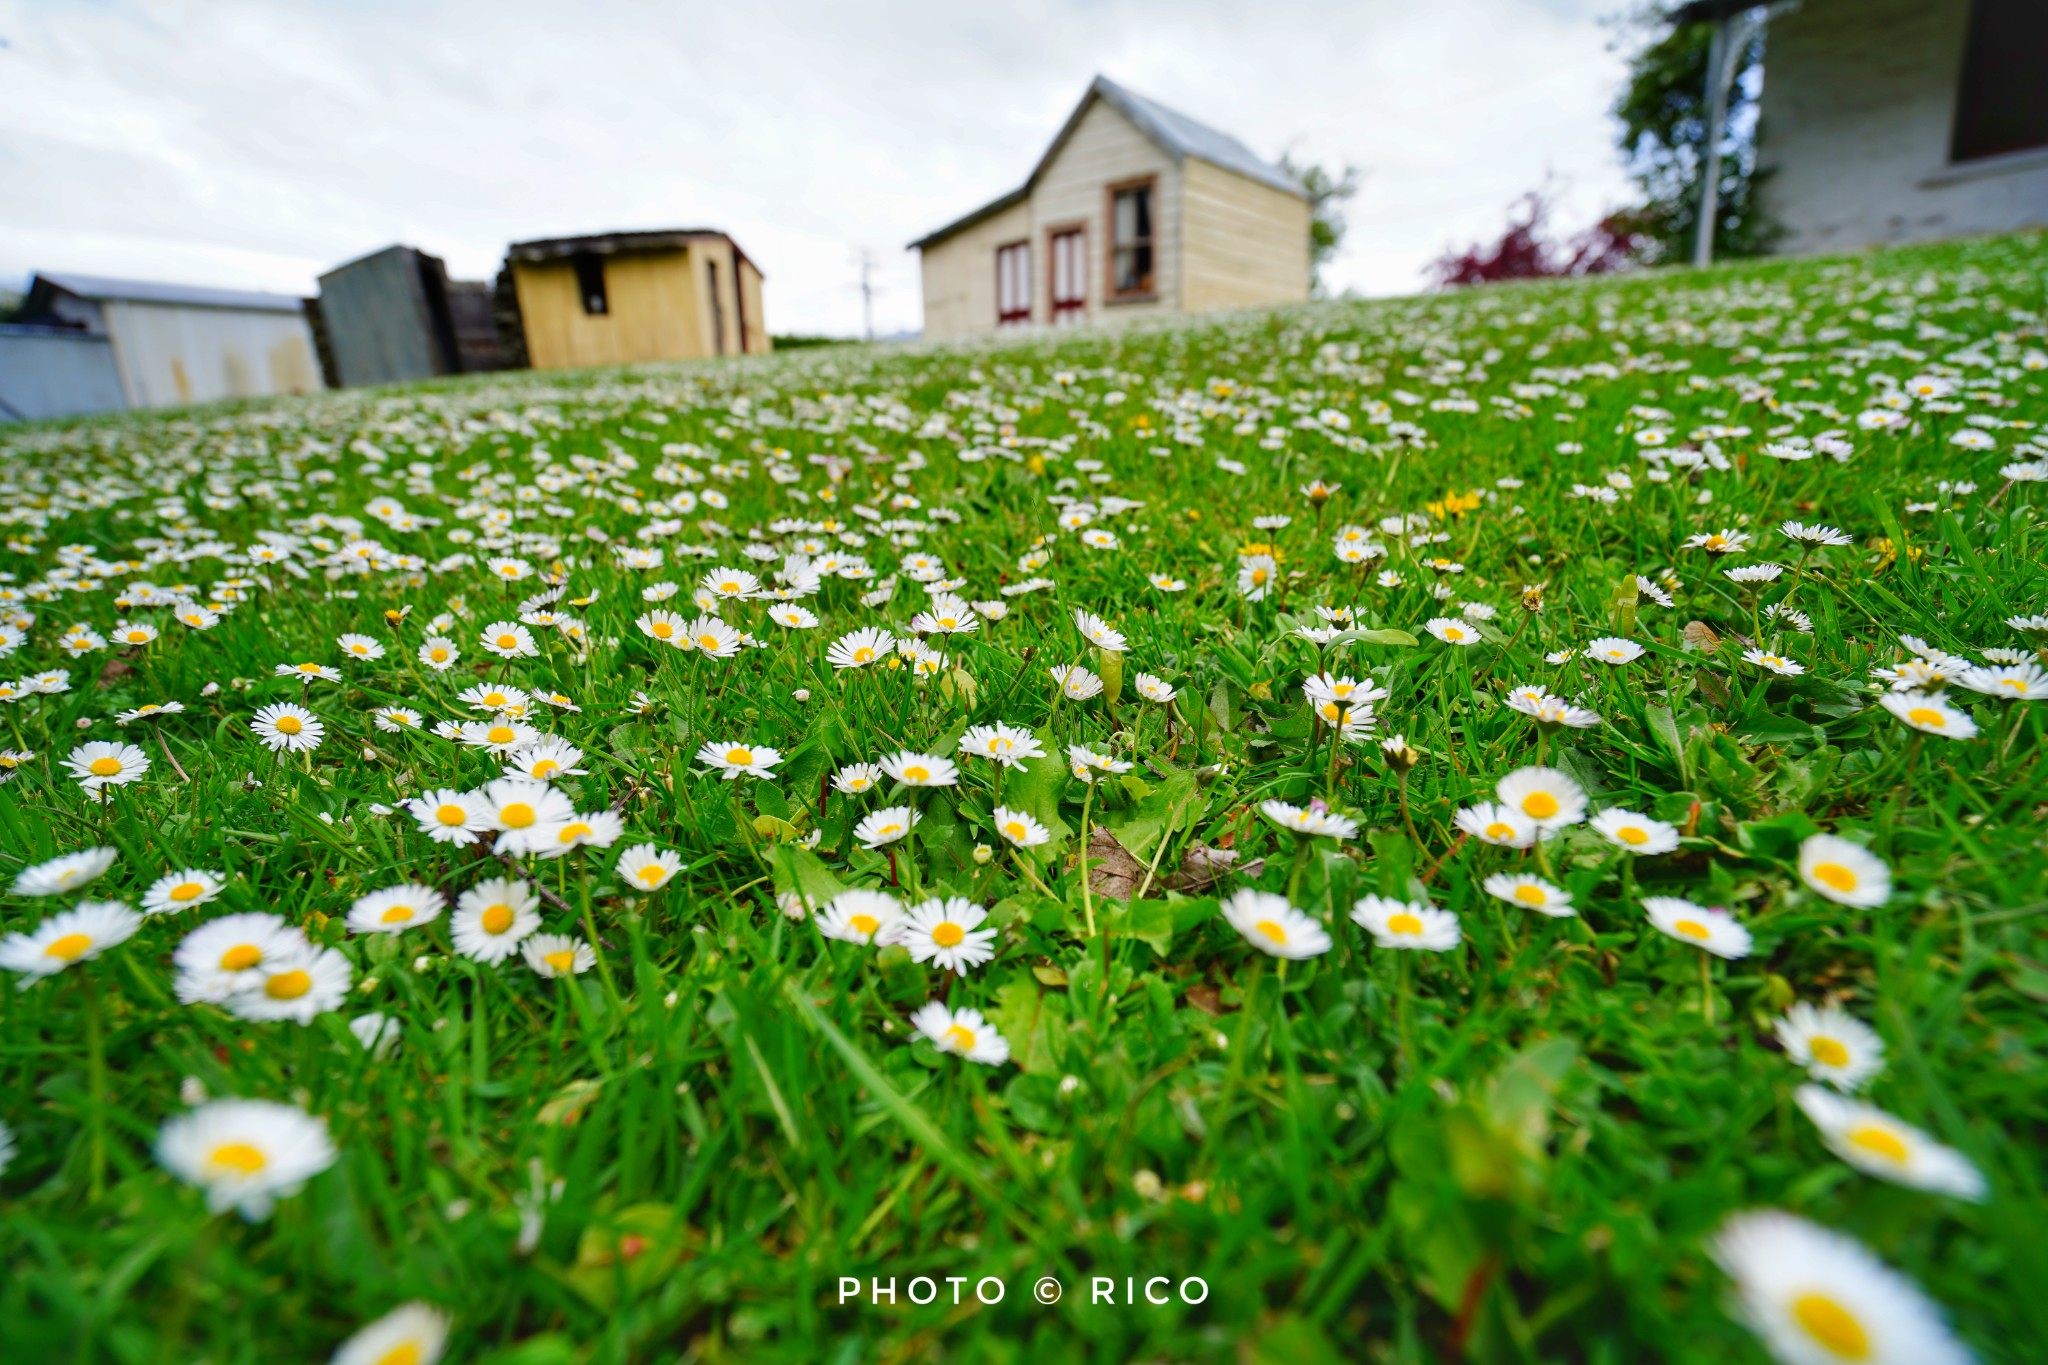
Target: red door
x: 1069, y: 271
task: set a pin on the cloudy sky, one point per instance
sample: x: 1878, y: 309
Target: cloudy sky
x: 255, y: 143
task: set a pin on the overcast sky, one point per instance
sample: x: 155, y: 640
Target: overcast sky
x: 256, y: 143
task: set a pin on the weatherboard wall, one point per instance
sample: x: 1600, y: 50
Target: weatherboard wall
x: 960, y: 275
x: 1243, y: 244
x: 1105, y: 149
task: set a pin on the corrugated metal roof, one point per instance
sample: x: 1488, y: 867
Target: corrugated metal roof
x: 607, y: 243
x: 1174, y: 132
x: 99, y: 287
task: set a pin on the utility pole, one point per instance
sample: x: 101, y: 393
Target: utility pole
x: 1735, y: 24
x: 866, y: 260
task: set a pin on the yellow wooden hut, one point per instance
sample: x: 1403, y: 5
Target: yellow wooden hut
x: 618, y: 297
x: 1134, y: 209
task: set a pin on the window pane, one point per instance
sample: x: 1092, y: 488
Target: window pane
x: 2002, y: 97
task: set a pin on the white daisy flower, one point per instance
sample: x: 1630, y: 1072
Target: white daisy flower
x: 962, y: 1033
x: 493, y: 917
x: 552, y: 955
x: 246, y: 1154
x: 181, y: 891
x: 1878, y: 1144
x: 860, y: 916
x: 411, y: 1334
x: 1845, y: 873
x: 66, y: 872
x: 1531, y: 893
x: 1406, y: 924
x: 1832, y: 1044
x: 1546, y: 797
x: 944, y: 933
x: 69, y: 936
x: 1715, y: 931
x: 645, y: 867
x: 1273, y: 926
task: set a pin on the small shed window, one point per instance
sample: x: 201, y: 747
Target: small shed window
x: 2002, y: 95
x: 590, y: 281
x: 1130, y: 260
x: 1069, y: 276
x: 1013, y: 284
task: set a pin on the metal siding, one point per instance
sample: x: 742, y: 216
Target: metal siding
x: 377, y: 321
x: 170, y: 355
x: 56, y: 374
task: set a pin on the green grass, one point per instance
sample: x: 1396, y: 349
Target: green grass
x: 1511, y: 1152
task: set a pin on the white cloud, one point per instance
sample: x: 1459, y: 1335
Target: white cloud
x: 257, y: 143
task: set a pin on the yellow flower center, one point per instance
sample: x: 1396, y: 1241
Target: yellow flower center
x: 518, y: 815
x: 863, y: 654
x: 105, y: 767
x: 1531, y: 895
x: 452, y: 815
x: 1833, y: 1327
x: 508, y: 641
x: 496, y: 919
x: 288, y: 985
x: 865, y: 925
x: 1878, y: 1142
x: 241, y: 957
x: 404, y: 1353
x: 961, y: 1038
x: 739, y: 758
x: 1539, y: 805
x: 1453, y: 633
x: 1500, y: 829
x: 501, y: 734
x: 1693, y: 929
x: 398, y: 914
x: 1632, y: 834
x: 547, y: 767
x: 1927, y: 715
x: 309, y: 668
x: 1015, y: 830
x: 439, y: 656
x: 652, y: 873
x: 289, y: 725
x: 239, y: 1157
x: 69, y: 948
x: 1272, y: 931
x: 662, y: 630
x: 708, y: 643
x: 948, y: 935
x: 185, y: 891
x: 571, y: 833
x: 1404, y: 923
x: 1835, y: 875
x: 561, y: 961
x: 916, y: 773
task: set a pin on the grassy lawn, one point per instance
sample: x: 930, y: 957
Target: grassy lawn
x: 552, y: 1037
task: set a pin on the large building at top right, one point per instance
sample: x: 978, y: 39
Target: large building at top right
x: 1904, y: 120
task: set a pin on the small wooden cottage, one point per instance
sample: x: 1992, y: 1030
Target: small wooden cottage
x: 620, y: 297
x: 396, y: 315
x: 1133, y: 210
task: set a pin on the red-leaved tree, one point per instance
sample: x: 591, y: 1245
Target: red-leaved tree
x: 1525, y: 251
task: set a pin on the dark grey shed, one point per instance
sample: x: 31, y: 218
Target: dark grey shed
x: 394, y: 315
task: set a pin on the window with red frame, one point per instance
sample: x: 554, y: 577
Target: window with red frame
x: 1069, y: 273
x: 1013, y: 284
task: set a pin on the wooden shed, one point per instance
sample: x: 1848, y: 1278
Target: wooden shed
x: 1134, y: 209
x: 395, y: 315
x: 620, y: 297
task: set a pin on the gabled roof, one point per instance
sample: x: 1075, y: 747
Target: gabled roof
x: 101, y: 289
x: 1175, y: 134
x: 610, y: 243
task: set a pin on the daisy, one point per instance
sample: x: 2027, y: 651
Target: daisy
x: 793, y: 617
x: 395, y: 909
x: 1832, y: 1044
x: 1637, y: 833
x: 943, y: 932
x: 1406, y: 924
x: 1097, y: 632
x: 1155, y: 689
x: 1452, y: 631
x: 1549, y: 799
x: 1502, y: 826
x: 1256, y: 575
x: 1818, y: 1298
x: 1878, y: 1144
x: 245, y: 1154
x: 883, y: 827
x: 558, y: 955
x: 299, y: 987
x: 1929, y: 714
x: 733, y: 761
x: 307, y: 672
x: 180, y: 891
x: 1273, y: 926
x: 948, y: 616
x: 1531, y: 893
x: 1722, y: 542
x: 153, y: 710
x: 860, y: 916
x: 518, y: 808
x: 392, y: 719
x: 665, y: 626
x: 1611, y: 649
x: 1075, y: 682
x: 448, y: 816
x: 502, y: 736
x: 859, y: 648
x: 921, y: 770
x: 647, y: 868
x: 1020, y: 830
x: 1816, y: 534
x: 412, y: 1334
x: 439, y: 653
x: 509, y: 640
x: 492, y: 917
x: 1714, y: 931
x: 1085, y: 763
x: 216, y: 960
x: 106, y: 763
x: 855, y: 778
x: 1311, y: 820
x: 2013, y: 681
x: 545, y: 760
x: 1008, y: 745
x: 364, y: 647
x: 1776, y: 663
x: 75, y: 935
x: 1845, y: 873
x: 283, y: 726
x: 598, y: 829
x: 67, y: 872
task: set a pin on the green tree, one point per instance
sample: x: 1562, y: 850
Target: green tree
x: 1327, y: 191
x: 1663, y: 139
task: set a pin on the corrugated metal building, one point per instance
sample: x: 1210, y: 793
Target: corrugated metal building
x: 55, y: 372
x: 174, y: 344
x: 395, y: 315
x: 619, y: 297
